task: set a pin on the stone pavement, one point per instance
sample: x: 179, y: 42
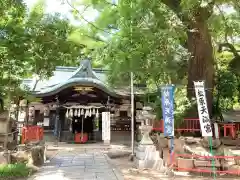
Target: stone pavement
x: 78, y: 164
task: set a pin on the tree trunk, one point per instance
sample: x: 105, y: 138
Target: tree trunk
x: 201, y: 62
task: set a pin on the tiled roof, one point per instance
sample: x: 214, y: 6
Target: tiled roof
x: 231, y: 116
x: 61, y: 74
x: 67, y: 76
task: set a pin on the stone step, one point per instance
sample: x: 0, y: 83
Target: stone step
x: 144, y: 147
x: 206, y: 163
x: 142, y: 155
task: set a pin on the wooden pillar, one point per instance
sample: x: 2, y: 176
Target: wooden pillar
x: 57, y: 124
x: 135, y: 120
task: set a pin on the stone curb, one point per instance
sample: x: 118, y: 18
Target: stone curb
x: 60, y: 147
x: 116, y: 171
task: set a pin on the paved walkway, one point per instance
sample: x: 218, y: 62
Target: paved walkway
x: 78, y: 164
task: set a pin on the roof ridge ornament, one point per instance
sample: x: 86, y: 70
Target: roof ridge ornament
x: 86, y: 64
x: 85, y: 70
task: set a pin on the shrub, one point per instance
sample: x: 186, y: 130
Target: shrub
x: 14, y: 170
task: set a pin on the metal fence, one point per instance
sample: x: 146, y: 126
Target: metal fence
x: 188, y: 125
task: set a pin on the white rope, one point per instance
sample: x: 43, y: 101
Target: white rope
x: 83, y: 107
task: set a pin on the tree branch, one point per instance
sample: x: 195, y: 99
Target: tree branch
x: 208, y: 10
x: 231, y: 47
x: 109, y: 3
x: 90, y: 23
x: 225, y: 22
x: 175, y: 6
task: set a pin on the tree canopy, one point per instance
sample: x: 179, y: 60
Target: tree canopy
x: 32, y: 43
x: 160, y: 41
x: 165, y: 41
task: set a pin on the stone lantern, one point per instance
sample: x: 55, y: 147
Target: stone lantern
x: 146, y: 154
x: 13, y: 110
x: 46, y: 111
x: 148, y: 115
x: 23, y: 103
x: 22, y: 115
x: 146, y: 127
x: 31, y: 112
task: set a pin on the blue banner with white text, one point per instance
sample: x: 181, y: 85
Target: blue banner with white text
x: 167, y: 93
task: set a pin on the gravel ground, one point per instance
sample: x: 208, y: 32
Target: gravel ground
x: 126, y: 167
x: 130, y: 173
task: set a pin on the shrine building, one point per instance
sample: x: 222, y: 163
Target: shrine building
x: 73, y: 101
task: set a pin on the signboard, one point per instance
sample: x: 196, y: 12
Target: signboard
x: 79, y: 88
x: 167, y: 93
x: 203, y: 109
x: 21, y: 116
x: 106, y: 131
x: 46, y: 121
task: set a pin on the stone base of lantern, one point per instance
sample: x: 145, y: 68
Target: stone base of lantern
x: 106, y: 142
x: 147, y: 157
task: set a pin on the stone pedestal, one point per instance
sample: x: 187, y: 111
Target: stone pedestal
x: 147, y: 157
x: 145, y: 130
x: 106, y: 142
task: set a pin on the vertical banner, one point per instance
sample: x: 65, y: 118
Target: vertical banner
x: 106, y: 131
x: 203, y: 109
x: 167, y: 109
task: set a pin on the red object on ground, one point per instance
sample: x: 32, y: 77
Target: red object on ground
x: 31, y: 133
x: 78, y: 138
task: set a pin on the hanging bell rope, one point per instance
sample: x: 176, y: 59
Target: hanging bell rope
x: 82, y: 112
x: 97, y: 114
x: 93, y: 112
x: 75, y: 112
x: 71, y: 112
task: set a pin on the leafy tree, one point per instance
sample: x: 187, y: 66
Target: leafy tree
x: 32, y: 43
x: 47, y: 39
x: 161, y: 40
x: 11, y: 46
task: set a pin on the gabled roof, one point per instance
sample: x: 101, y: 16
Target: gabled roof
x: 64, y: 77
x: 231, y: 116
x: 63, y: 74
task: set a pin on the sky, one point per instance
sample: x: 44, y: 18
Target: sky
x: 52, y: 6
x: 56, y: 6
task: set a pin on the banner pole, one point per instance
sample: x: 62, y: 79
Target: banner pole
x: 213, y: 161
x: 167, y: 93
x: 171, y: 150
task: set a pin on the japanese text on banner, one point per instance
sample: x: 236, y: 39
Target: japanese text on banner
x: 203, y: 109
x: 167, y: 109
